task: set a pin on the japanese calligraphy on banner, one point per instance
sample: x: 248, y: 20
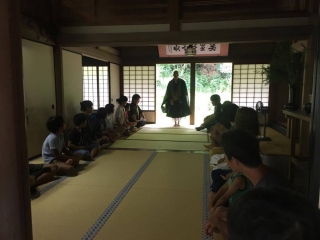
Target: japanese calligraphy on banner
x: 212, y: 49
x: 200, y: 48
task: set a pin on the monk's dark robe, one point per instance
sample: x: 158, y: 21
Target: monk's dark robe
x: 177, y: 92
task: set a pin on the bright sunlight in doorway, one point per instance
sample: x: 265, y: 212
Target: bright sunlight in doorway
x: 211, y: 78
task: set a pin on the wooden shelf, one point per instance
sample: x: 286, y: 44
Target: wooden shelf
x: 299, y: 114
x: 301, y: 162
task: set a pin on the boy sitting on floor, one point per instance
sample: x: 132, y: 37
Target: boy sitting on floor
x: 233, y: 188
x: 54, y: 147
x: 242, y: 154
x: 130, y: 125
x: 209, y: 120
x: 76, y: 141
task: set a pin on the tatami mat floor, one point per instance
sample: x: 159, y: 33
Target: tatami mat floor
x: 131, y: 194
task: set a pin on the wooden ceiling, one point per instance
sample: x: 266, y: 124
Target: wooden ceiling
x: 127, y: 12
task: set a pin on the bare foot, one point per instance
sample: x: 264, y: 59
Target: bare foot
x: 89, y: 158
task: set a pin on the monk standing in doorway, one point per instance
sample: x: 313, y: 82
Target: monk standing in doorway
x: 176, y: 101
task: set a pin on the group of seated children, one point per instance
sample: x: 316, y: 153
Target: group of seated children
x: 92, y: 132
x: 273, y: 219
x: 237, y: 164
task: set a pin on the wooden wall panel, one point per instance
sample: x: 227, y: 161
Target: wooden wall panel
x: 72, y: 85
x: 39, y: 92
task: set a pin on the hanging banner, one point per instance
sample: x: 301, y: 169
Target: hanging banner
x: 212, y: 49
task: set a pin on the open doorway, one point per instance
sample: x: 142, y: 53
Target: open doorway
x: 211, y: 78
x: 164, y: 73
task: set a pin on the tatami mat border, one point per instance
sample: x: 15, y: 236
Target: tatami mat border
x: 96, y: 227
x: 161, y: 150
x: 156, y: 140
x: 145, y: 133
x: 48, y: 187
x: 206, y: 189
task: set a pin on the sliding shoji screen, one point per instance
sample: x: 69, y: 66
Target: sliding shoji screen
x: 248, y: 87
x: 140, y: 80
x: 96, y: 85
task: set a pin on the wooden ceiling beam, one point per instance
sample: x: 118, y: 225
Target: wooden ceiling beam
x: 56, y: 11
x: 210, y: 2
x: 174, y: 15
x: 139, y: 6
x: 209, y: 17
x: 262, y: 34
x: 234, y: 6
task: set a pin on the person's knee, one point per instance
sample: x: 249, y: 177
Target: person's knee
x: 54, y: 169
x: 68, y: 168
x: 211, y: 195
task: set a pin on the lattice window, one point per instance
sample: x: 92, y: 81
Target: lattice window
x: 248, y: 87
x: 96, y: 85
x: 140, y: 80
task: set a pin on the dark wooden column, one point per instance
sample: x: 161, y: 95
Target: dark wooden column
x: 308, y: 85
x: 58, y: 74
x: 314, y: 181
x: 15, y: 213
x: 192, y: 92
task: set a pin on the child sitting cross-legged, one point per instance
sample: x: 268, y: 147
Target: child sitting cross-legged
x: 54, y: 149
x: 76, y: 141
x: 131, y: 126
x: 233, y: 188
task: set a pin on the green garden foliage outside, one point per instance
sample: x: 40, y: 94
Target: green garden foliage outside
x: 211, y: 78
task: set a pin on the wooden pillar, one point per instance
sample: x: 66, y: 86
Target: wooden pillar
x: 192, y: 92
x: 314, y: 180
x: 311, y: 49
x: 58, y: 74
x: 15, y: 213
x: 121, y: 82
x: 313, y: 6
x: 306, y: 90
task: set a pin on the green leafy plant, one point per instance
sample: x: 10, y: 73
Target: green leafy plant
x: 286, y: 65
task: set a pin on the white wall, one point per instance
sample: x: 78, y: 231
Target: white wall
x: 72, y: 85
x: 39, y: 92
x: 114, y: 83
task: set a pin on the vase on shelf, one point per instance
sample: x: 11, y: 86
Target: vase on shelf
x: 291, y: 105
x: 307, y: 108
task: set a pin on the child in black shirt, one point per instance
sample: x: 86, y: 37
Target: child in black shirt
x: 76, y: 141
